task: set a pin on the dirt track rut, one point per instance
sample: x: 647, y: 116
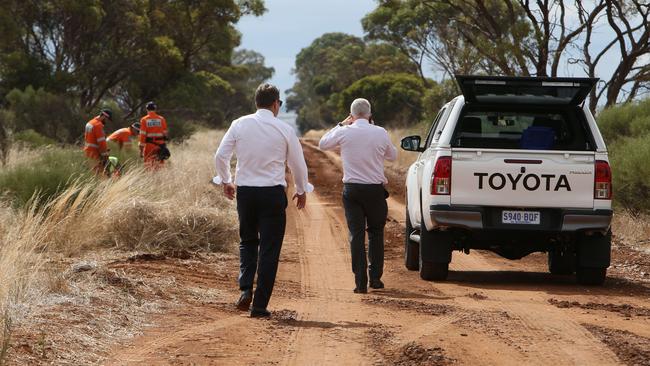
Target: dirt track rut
x: 491, y: 311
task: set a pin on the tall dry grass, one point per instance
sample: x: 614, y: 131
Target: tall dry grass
x: 632, y: 230
x: 174, y: 208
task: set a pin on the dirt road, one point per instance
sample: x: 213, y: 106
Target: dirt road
x: 491, y: 311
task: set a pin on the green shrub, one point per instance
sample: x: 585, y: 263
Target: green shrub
x: 6, y: 129
x: 179, y: 130
x: 396, y: 98
x: 32, y: 139
x: 54, y: 170
x: 627, y: 120
x: 629, y: 159
x: 50, y: 115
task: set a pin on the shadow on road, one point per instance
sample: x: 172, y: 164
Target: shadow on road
x: 552, y: 284
x: 321, y: 324
x: 402, y: 294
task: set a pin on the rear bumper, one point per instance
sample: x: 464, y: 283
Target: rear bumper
x: 489, y: 218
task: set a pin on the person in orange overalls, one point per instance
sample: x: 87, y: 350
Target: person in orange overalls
x: 153, y: 135
x: 123, y: 136
x: 95, y: 146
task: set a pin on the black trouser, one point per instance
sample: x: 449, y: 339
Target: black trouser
x: 365, y: 207
x: 262, y: 220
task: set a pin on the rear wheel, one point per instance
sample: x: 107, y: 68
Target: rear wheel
x: 435, y: 254
x: 561, y: 261
x: 594, y: 257
x: 592, y: 276
x: 411, y: 248
x: 430, y: 271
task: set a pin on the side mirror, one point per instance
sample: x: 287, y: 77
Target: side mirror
x: 412, y: 143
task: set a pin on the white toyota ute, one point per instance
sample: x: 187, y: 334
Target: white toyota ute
x: 515, y: 165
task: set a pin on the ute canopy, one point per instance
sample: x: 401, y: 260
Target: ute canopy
x: 524, y: 90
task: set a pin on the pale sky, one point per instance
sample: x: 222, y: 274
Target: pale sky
x: 290, y: 25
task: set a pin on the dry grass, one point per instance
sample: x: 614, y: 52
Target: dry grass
x: 314, y: 134
x: 404, y: 158
x: 632, y: 230
x: 173, y: 209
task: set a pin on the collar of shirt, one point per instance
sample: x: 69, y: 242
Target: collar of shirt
x: 361, y: 121
x: 264, y: 113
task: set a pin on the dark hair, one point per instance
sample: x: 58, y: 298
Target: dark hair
x: 151, y: 106
x: 266, y: 95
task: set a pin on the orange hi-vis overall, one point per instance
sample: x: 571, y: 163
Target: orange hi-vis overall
x: 153, y: 133
x: 95, y: 140
x: 121, y: 136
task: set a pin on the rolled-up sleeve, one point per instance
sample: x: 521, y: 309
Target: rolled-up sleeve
x: 296, y: 162
x: 223, y: 156
x: 331, y: 139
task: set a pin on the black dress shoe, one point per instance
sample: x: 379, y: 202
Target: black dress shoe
x: 260, y: 313
x: 360, y: 290
x: 245, y: 300
x: 376, y: 284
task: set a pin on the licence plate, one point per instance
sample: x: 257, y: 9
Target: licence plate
x: 521, y: 217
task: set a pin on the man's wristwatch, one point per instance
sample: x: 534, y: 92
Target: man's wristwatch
x: 340, y: 124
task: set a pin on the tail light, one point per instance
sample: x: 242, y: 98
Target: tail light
x: 441, y: 183
x: 603, y: 181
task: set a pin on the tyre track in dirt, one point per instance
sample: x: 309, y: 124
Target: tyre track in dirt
x: 491, y: 311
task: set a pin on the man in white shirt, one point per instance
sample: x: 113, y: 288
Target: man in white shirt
x: 364, y: 147
x: 264, y: 145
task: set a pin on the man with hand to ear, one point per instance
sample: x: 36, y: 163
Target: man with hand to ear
x: 264, y: 146
x: 364, y: 147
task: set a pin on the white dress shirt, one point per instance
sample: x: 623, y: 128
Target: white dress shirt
x: 262, y: 144
x: 364, y: 147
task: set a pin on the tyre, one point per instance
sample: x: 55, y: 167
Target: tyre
x: 411, y: 248
x: 591, y: 276
x: 430, y: 271
x: 594, y: 257
x: 561, y: 261
x: 435, y: 254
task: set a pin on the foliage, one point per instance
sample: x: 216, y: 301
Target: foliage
x: 626, y: 120
x: 396, y: 99
x: 437, y: 95
x: 6, y: 129
x: 332, y: 63
x: 78, y: 56
x: 32, y: 139
x: 53, y: 171
x: 523, y: 38
x: 629, y: 158
x: 48, y: 114
x: 180, y: 130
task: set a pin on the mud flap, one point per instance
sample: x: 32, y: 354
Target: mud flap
x: 594, y: 251
x: 435, y: 246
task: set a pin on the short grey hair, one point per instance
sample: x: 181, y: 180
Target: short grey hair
x: 360, y: 108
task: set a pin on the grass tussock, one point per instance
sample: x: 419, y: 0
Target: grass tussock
x: 175, y: 208
x: 632, y: 230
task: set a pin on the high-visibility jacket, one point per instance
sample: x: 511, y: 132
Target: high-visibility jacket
x: 122, y: 135
x: 153, y: 133
x: 153, y: 129
x: 95, y: 139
